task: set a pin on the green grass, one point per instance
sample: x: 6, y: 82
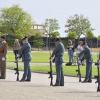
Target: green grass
x: 68, y: 70
x: 42, y: 57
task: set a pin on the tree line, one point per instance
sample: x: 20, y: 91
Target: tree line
x: 17, y: 22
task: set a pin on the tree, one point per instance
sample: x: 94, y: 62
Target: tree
x: 78, y: 24
x: 90, y: 35
x: 72, y: 35
x: 15, y: 21
x: 98, y: 38
x: 52, y: 24
x: 54, y: 34
x: 38, y: 42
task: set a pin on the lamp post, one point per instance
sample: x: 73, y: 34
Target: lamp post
x: 46, y: 34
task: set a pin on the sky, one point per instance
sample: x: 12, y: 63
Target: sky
x: 59, y: 9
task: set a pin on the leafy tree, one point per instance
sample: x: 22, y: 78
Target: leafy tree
x: 78, y: 24
x: 72, y: 35
x: 54, y: 34
x: 98, y: 38
x: 15, y: 21
x: 65, y: 42
x: 52, y: 24
x: 90, y: 35
x: 38, y: 42
x: 37, y: 35
x: 0, y: 33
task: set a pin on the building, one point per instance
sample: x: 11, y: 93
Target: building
x: 38, y: 28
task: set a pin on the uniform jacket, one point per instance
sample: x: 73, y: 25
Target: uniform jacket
x: 25, y: 51
x: 3, y: 49
x: 58, y: 52
x: 87, y: 54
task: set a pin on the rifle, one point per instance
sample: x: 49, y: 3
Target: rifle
x: 50, y: 72
x: 98, y: 77
x: 17, y: 70
x: 79, y: 73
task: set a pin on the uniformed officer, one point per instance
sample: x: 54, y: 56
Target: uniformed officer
x: 25, y: 51
x: 87, y: 55
x: 58, y: 52
x: 3, y: 52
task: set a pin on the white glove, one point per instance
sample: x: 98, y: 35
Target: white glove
x: 3, y: 58
x: 17, y: 55
x: 79, y: 62
x: 17, y: 59
x: 50, y: 58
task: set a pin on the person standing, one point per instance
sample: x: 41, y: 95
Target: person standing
x: 71, y: 52
x: 58, y: 52
x: 25, y: 53
x: 79, y: 47
x: 3, y: 53
x: 87, y: 55
x: 16, y: 47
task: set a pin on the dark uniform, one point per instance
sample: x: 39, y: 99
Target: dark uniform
x: 58, y: 52
x: 26, y: 58
x: 87, y: 55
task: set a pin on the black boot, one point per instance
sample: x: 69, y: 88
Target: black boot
x: 90, y: 81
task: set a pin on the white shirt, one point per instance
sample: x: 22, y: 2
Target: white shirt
x: 79, y: 47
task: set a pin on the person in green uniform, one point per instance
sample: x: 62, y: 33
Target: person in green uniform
x: 87, y: 55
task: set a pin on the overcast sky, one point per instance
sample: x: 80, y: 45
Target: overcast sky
x: 59, y: 9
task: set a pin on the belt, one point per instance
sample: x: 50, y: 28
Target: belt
x: 58, y: 55
x: 25, y: 53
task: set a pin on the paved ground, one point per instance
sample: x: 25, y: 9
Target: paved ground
x: 39, y: 89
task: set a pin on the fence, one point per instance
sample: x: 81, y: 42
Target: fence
x: 49, y: 42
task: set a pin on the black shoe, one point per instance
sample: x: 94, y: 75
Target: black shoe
x: 90, y: 81
x: 27, y: 80
x: 84, y: 81
x: 21, y: 80
x: 61, y: 85
x: 2, y: 78
x: 56, y: 85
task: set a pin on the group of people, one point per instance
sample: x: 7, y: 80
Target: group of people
x: 82, y: 53
x: 24, y: 51
x: 71, y: 51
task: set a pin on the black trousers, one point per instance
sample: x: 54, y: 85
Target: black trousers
x: 16, y: 52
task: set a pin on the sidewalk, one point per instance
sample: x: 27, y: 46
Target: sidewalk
x: 39, y: 89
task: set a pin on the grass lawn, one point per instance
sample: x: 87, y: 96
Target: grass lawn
x: 68, y: 70
x: 42, y: 57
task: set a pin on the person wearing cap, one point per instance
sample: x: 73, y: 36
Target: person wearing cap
x: 87, y: 55
x: 25, y: 53
x: 3, y: 52
x: 58, y: 52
